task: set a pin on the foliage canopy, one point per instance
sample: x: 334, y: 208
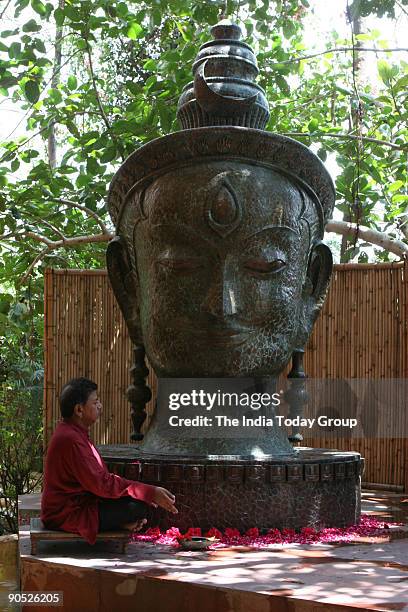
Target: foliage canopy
x: 97, y: 79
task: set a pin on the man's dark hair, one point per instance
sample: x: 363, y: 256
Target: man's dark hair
x: 76, y: 391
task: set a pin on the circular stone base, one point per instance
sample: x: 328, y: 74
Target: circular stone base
x: 312, y: 488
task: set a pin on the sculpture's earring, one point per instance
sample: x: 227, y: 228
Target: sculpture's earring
x: 125, y: 289
x: 296, y: 396
x: 138, y: 393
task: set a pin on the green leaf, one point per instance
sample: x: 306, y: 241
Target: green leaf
x: 39, y: 45
x: 83, y: 180
x: 59, y: 17
x: 157, y: 16
x: 375, y: 174
x: 182, y: 31
x: 385, y: 71
x: 7, y: 33
x: 400, y: 198
x: 282, y: 84
x: 396, y: 186
x: 289, y: 29
x: 150, y: 65
x: 8, y: 81
x: 385, y: 99
x: 39, y: 7
x: 73, y: 128
x: 31, y: 26
x: 72, y: 82
x: 109, y: 154
x: 14, y: 50
x: 150, y: 81
x: 313, y: 124
x: 72, y: 13
x: 55, y: 96
x: 32, y: 91
x: 401, y: 84
x: 93, y: 167
x: 5, y: 302
x: 134, y: 30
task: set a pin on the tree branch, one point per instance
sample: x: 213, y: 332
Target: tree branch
x: 52, y: 140
x: 380, y: 239
x: 32, y: 264
x: 5, y: 9
x: 49, y: 225
x: 98, y: 100
x: 338, y: 50
x: 7, y: 236
x: 316, y: 135
x: 85, y: 209
x: 401, y: 7
x: 67, y: 242
x: 22, y: 144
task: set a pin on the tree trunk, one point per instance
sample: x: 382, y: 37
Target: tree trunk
x: 55, y: 79
x: 356, y: 26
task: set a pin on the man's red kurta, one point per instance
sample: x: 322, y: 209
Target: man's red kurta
x: 75, y: 477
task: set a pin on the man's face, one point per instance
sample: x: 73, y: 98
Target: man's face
x: 91, y: 409
x: 221, y: 259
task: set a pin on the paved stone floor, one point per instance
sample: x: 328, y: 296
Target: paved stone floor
x: 370, y: 574
x: 388, y: 506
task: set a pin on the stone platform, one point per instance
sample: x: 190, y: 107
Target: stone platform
x: 311, y: 488
x: 150, y: 578
x: 371, y: 574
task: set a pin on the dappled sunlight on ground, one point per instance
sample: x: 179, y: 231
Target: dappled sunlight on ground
x: 369, y: 571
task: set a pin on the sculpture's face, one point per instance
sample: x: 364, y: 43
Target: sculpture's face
x: 222, y: 256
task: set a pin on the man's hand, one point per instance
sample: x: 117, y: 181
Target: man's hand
x: 165, y: 499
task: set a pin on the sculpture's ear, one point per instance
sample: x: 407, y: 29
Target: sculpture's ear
x: 314, y: 289
x: 125, y: 286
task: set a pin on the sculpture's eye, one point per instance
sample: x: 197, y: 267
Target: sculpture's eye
x: 263, y: 267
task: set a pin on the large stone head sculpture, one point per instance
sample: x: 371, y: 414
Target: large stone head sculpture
x: 218, y: 264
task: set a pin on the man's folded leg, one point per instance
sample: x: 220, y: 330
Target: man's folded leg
x: 120, y: 513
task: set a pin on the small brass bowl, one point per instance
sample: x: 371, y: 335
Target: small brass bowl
x: 197, y: 543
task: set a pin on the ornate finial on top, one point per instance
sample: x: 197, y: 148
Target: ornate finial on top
x: 224, y: 91
x: 226, y: 30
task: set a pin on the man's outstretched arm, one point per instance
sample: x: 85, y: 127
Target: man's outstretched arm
x: 89, y: 470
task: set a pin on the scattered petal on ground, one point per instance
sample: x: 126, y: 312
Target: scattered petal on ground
x: 367, y: 527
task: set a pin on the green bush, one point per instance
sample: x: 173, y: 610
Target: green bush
x: 21, y: 391
x: 20, y: 448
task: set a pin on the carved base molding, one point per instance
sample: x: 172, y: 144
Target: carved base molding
x: 314, y: 488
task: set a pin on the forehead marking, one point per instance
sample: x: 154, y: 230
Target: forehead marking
x: 223, y: 211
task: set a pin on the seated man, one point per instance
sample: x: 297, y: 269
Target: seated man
x: 80, y: 495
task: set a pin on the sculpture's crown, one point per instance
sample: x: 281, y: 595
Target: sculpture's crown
x: 224, y: 91
x: 218, y: 112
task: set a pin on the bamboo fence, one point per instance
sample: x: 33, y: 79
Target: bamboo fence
x: 361, y: 333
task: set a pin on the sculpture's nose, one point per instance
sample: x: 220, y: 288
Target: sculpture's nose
x: 221, y: 299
